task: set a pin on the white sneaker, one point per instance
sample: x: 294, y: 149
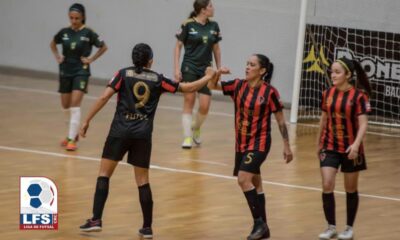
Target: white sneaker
x: 329, y: 233
x: 187, y: 143
x: 196, y: 136
x: 347, y: 234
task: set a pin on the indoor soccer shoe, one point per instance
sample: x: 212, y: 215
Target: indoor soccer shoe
x: 347, y: 234
x: 196, y: 136
x: 71, y: 146
x: 64, y: 142
x: 259, y: 229
x: 187, y: 143
x: 146, y: 233
x: 266, y: 235
x: 329, y: 233
x: 91, y: 226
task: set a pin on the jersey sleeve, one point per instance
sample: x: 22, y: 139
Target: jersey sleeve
x: 275, y: 103
x: 167, y: 85
x: 363, y: 106
x: 116, y: 81
x: 58, y: 37
x: 96, y: 40
x: 217, y: 32
x: 229, y: 87
x: 182, y: 34
x: 323, y: 101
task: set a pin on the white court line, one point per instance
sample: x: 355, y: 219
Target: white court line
x: 190, y: 172
x: 172, y: 108
x: 203, y: 161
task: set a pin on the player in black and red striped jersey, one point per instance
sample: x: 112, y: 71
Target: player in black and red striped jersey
x: 255, y: 101
x: 343, y: 125
x: 139, y: 90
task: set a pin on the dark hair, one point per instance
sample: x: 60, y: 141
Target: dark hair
x: 197, y: 6
x: 141, y: 55
x: 77, y: 7
x: 268, y: 65
x: 362, y: 81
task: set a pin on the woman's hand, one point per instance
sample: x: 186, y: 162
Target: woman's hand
x: 352, y: 151
x: 178, y: 76
x: 60, y: 59
x: 84, y: 128
x: 86, y: 60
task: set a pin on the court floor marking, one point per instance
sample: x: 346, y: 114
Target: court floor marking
x: 176, y: 170
x: 176, y: 108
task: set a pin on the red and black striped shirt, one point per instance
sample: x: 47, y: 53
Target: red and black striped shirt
x: 342, y: 109
x: 253, y: 109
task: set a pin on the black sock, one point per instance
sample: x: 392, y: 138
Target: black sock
x: 352, y: 206
x: 253, y: 202
x: 328, y: 200
x: 146, y: 202
x: 261, y: 200
x: 100, y: 197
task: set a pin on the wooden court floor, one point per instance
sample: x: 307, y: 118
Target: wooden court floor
x: 194, y: 194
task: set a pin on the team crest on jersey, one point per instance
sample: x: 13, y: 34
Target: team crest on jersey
x: 205, y: 39
x: 261, y: 99
x: 73, y: 45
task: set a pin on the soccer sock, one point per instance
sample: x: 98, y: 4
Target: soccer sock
x: 146, y: 202
x: 74, y: 122
x: 187, y: 124
x: 100, y: 197
x: 261, y: 200
x: 328, y: 200
x: 352, y: 206
x: 66, y: 112
x: 252, y: 201
x: 199, y: 119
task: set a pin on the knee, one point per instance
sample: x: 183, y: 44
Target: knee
x: 204, y: 109
x: 328, y: 186
x: 244, y: 182
x: 142, y: 179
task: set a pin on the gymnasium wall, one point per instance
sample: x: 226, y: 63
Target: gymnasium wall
x: 248, y: 26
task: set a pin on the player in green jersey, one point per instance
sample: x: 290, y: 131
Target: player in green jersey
x: 200, y: 37
x: 77, y: 42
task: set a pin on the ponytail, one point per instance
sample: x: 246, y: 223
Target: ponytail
x: 197, y: 6
x: 362, y: 81
x: 141, y: 55
x: 192, y: 14
x: 268, y: 65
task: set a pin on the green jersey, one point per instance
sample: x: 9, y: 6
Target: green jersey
x: 198, y: 40
x: 76, y: 44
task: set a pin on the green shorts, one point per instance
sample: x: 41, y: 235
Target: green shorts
x: 191, y: 77
x: 68, y: 84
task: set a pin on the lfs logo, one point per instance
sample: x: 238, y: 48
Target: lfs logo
x: 38, y: 204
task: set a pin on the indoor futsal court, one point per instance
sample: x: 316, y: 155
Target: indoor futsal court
x: 330, y: 65
x: 194, y: 193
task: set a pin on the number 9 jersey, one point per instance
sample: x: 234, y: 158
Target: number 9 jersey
x: 138, y: 96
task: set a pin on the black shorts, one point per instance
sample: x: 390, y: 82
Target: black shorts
x: 139, y: 150
x: 68, y: 84
x: 249, y: 161
x: 335, y: 159
x: 191, y: 77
